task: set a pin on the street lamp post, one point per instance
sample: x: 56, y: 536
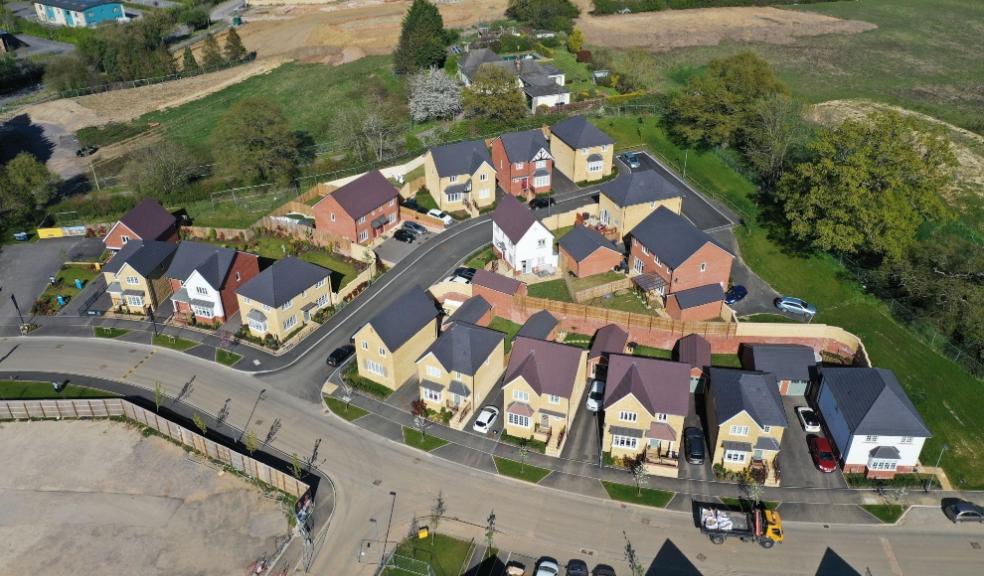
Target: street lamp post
x: 248, y: 420
x: 382, y: 559
x: 938, y: 458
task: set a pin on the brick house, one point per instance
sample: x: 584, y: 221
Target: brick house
x: 696, y: 304
x: 627, y: 200
x: 147, y: 221
x: 204, y: 279
x: 585, y: 252
x: 497, y: 290
x: 361, y: 210
x: 523, y: 164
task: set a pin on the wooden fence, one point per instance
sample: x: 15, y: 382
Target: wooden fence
x: 110, y: 407
x: 221, y: 234
x: 602, y: 290
x: 569, y: 218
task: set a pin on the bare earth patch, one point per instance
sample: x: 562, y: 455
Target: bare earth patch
x: 662, y: 31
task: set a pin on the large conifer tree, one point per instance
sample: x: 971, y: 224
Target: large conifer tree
x: 422, y: 39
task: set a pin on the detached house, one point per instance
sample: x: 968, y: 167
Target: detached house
x: 626, y: 201
x: 360, y: 210
x: 580, y: 150
x: 497, y: 290
x: 205, y: 279
x: 523, y: 164
x: 521, y: 240
x: 585, y: 252
x: 646, y: 402
x: 284, y: 297
x: 790, y: 363
x: 608, y: 340
x: 147, y: 221
x: 460, y: 368
x: 542, y: 84
x: 388, y: 346
x: 542, y: 390
x: 875, y: 427
x: 135, y: 276
x: 460, y: 175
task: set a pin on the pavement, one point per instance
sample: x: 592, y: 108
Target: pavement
x: 36, y: 46
x: 796, y: 464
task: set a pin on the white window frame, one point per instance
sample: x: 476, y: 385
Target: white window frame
x: 541, y: 164
x: 332, y: 216
x: 125, y: 238
x: 735, y: 457
x: 767, y: 429
x: 365, y: 344
x: 132, y: 300
x: 201, y: 290
x: 433, y: 371
x: 290, y: 322
x: 541, y: 181
x: 375, y: 367
x: 596, y: 166
x: 286, y: 305
x: 737, y: 430
x: 483, y: 177
x: 638, y: 265
x: 453, y: 179
x: 627, y: 442
x: 519, y: 165
x: 432, y: 395
x: 905, y: 440
x: 363, y: 235
x: 553, y: 399
x: 871, y: 439
x: 645, y: 251
x: 257, y: 325
x: 202, y: 311
x: 661, y: 417
x: 361, y: 220
x: 518, y: 420
x: 321, y: 283
x: 453, y: 197
x: 521, y: 395
x: 382, y: 351
x: 541, y: 243
x: 483, y: 193
x: 322, y: 301
x: 703, y: 266
x: 627, y: 416
x: 132, y: 280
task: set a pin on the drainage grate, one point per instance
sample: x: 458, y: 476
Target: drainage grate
x: 377, y: 482
x: 587, y: 552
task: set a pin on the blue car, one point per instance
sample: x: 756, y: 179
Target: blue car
x: 735, y: 294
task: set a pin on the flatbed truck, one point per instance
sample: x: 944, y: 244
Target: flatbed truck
x: 721, y: 522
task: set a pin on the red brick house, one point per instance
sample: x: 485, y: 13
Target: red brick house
x: 497, y: 290
x: 147, y: 221
x: 585, y: 252
x: 695, y: 304
x: 204, y: 279
x: 360, y: 210
x: 523, y: 164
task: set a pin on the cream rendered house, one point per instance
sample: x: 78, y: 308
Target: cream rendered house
x: 581, y: 151
x: 460, y: 176
x: 388, y: 346
x: 626, y: 201
x: 284, y: 297
x: 135, y: 276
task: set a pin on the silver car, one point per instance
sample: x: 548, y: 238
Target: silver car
x: 595, y: 396
x: 795, y: 306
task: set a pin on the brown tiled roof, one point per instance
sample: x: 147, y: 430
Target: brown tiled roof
x: 513, y: 218
x: 548, y: 367
x: 496, y: 282
x: 521, y: 408
x: 693, y: 350
x: 148, y: 219
x: 662, y: 387
x: 608, y: 339
x: 364, y: 194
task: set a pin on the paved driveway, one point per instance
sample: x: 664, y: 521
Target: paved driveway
x: 584, y: 439
x: 794, y: 459
x: 703, y: 471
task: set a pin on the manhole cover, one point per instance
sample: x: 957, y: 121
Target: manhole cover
x: 975, y: 545
x: 377, y: 482
x: 645, y: 521
x: 59, y: 346
x: 587, y: 552
x: 700, y: 557
x: 259, y: 421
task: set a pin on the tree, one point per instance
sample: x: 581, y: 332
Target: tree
x: 438, y: 511
x: 490, y: 534
x: 575, y: 41
x: 547, y: 14
x: 869, y: 186
x: 17, y: 73
x: 295, y: 465
x: 188, y: 63
x: 26, y: 183
x: 632, y: 558
x: 132, y: 50
x: 195, y: 17
x: 640, y: 475
x: 524, y: 456
x: 381, y: 133
x: 775, y: 133
x: 158, y: 396
x: 234, y: 49
x: 493, y: 95
x: 254, y: 142
x: 423, y: 39
x: 69, y: 72
x: 161, y: 170
x: 251, y: 442
x: 211, y: 55
x: 200, y: 423
x: 433, y: 94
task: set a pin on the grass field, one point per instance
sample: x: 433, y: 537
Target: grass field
x: 626, y: 301
x: 514, y: 469
x: 507, y: 327
x: 646, y: 497
x: 104, y: 332
x: 552, y: 289
x: 227, y: 358
x: 577, y: 77
x: 419, y: 441
x: 32, y: 390
x: 887, y: 513
x: 346, y: 411
x: 444, y: 555
x: 578, y: 284
x: 272, y: 247
x: 481, y: 258
x: 534, y: 445
x: 173, y: 343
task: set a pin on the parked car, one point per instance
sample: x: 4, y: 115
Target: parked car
x: 340, y: 355
x: 595, y: 396
x: 577, y: 567
x: 486, y: 418
x: 547, y: 567
x: 414, y: 228
x: 632, y: 159
x: 440, y: 215
x: 823, y: 456
x: 86, y: 151
x: 542, y: 202
x: 21, y: 236
x: 693, y: 445
x: 735, y: 294
x: 962, y: 511
x: 457, y: 279
x: 795, y: 306
x: 603, y: 570
x: 514, y: 568
x: 404, y: 236
x: 411, y: 204
x: 464, y: 272
x: 808, y: 419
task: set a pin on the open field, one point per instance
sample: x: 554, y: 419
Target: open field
x: 90, y: 495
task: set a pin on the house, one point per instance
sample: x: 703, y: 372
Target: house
x: 696, y: 304
x: 542, y: 84
x: 646, y: 402
x: 204, y: 279
x: 147, y: 221
x: 626, y: 201
x: 497, y: 290
x: 458, y: 371
x: 135, y: 275
x: 540, y: 325
x: 523, y: 164
x: 78, y: 13
x: 790, y: 363
x: 460, y: 175
x: 874, y: 426
x: 9, y: 42
x: 284, y: 297
x: 388, y: 346
x: 608, y: 340
x: 585, y: 252
x: 521, y: 240
x: 694, y: 351
x: 476, y: 310
x: 542, y: 390
x: 581, y: 151
x: 745, y: 421
x: 361, y: 210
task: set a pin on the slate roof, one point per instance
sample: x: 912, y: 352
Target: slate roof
x: 754, y: 392
x: 513, y: 218
x: 471, y: 310
x: 609, y: 339
x: 545, y: 87
x: 873, y: 403
x: 212, y: 262
x: 694, y: 350
x: 582, y: 242
x: 144, y: 257
x: 577, y: 132
x: 75, y: 5
x: 767, y: 443
x: 662, y: 387
x: 473, y: 59
x: 464, y: 347
x: 886, y: 453
x: 642, y: 187
x: 786, y: 361
x: 496, y: 282
x: 538, y: 325
x: 670, y: 237
x: 548, y: 367
x: 460, y: 158
x: 693, y: 297
x: 364, y: 194
x: 523, y: 146
x: 404, y: 317
x: 282, y: 281
x: 148, y: 219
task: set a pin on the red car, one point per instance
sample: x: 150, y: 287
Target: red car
x: 823, y: 456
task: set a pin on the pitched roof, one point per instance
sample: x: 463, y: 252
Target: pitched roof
x: 464, y: 347
x: 662, y: 387
x: 693, y: 297
x: 577, y: 132
x: 76, y: 5
x: 404, y: 317
x: 609, y: 339
x: 513, y: 218
x: 460, y: 158
x: 212, y: 262
x: 473, y: 59
x: 471, y: 310
x: 144, y: 257
x: 873, y: 403
x: 282, y: 281
x: 786, y: 361
x: 496, y: 282
x: 548, y: 367
x: 523, y: 146
x: 694, y: 350
x: 641, y: 187
x: 670, y: 237
x: 582, y: 242
x: 538, y: 325
x: 148, y: 219
x: 756, y: 393
x: 364, y: 194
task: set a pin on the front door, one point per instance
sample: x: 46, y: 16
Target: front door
x: 522, y: 266
x: 307, y: 315
x: 604, y: 217
x: 544, y: 421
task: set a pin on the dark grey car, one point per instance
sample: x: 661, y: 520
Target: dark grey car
x: 693, y: 445
x: 959, y: 511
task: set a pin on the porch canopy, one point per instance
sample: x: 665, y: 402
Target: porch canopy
x: 649, y: 282
x: 661, y: 431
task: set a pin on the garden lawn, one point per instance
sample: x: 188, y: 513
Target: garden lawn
x: 551, y: 289
x: 226, y: 211
x: 425, y: 201
x: 479, y: 259
x: 577, y: 77
x: 887, y: 513
x: 579, y: 340
x: 346, y: 411
x: 419, y: 441
x: 104, y: 332
x: 274, y: 248
x: 445, y: 556
x: 650, y: 352
x: 534, y: 445
x: 227, y: 358
x: 366, y: 385
x: 628, y: 493
x: 626, y: 301
x: 33, y: 390
x: 65, y: 281
x: 173, y: 342
x: 774, y: 318
x: 514, y: 469
x: 578, y: 284
x: 507, y: 327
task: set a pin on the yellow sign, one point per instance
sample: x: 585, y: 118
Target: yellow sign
x: 423, y: 533
x: 51, y: 232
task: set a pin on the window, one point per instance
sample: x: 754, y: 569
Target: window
x: 132, y: 280
x: 483, y: 177
x: 739, y: 430
x: 732, y: 456
x: 392, y: 203
x: 703, y: 266
x: 457, y: 375
x: 541, y: 243
x: 322, y: 301
x: 290, y: 321
x: 454, y: 197
x: 626, y: 416
x: 661, y: 417
x: 553, y: 399
x: 365, y: 345
x: 766, y: 429
x: 382, y: 351
x: 433, y: 371
x: 638, y: 265
x: 286, y: 305
x: 519, y: 420
x: 247, y: 300
x: 125, y: 238
x: 521, y: 395
x: 454, y: 179
x: 624, y: 442
x: 541, y: 163
x: 906, y: 440
x: 604, y: 147
x: 266, y: 308
x: 257, y: 325
x: 332, y: 216
x: 519, y: 165
x: 541, y: 181
x: 483, y: 193
x: 596, y: 166
x: 584, y: 151
x: 375, y: 368
x: 644, y: 250
x: 391, y: 218
x: 432, y: 395
x: 201, y: 290
x: 202, y: 311
x: 871, y: 439
x: 363, y: 236
x: 134, y: 300
x: 658, y: 263
x: 321, y: 283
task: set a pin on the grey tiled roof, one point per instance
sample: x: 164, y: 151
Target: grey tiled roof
x: 282, y: 281
x: 496, y: 282
x: 212, y: 262
x: 632, y: 188
x: 693, y: 297
x: 471, y: 310
x: 626, y: 431
x: 873, y: 403
x: 544, y: 89
x: 757, y: 393
x: 460, y: 158
x: 148, y: 219
x: 670, y: 237
x: 767, y: 443
x: 577, y: 132
x: 582, y: 242
x: 513, y: 218
x: 538, y: 325
x: 431, y: 385
x: 464, y: 347
x: 144, y: 257
x: 548, y: 367
x: 404, y: 317
x: 786, y: 361
x: 524, y: 146
x: 886, y: 453
x: 737, y: 446
x: 662, y: 387
x: 609, y: 339
x: 694, y: 350
x: 364, y: 194
x: 473, y: 59
x: 256, y: 315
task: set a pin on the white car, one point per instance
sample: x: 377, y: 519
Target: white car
x: 457, y: 279
x: 486, y: 419
x: 808, y: 419
x: 595, y: 396
x: 547, y: 567
x: 440, y: 216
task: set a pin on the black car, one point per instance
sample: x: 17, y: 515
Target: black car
x: 693, y: 445
x: 414, y: 228
x: 86, y: 151
x: 735, y: 294
x: 467, y: 273
x: 542, y: 202
x: 603, y: 570
x: 577, y: 567
x: 340, y: 355
x: 959, y: 511
x: 404, y: 236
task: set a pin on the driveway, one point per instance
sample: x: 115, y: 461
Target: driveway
x: 584, y: 439
x: 391, y: 251
x: 795, y: 462
x: 702, y: 472
x: 35, y: 46
x: 494, y: 398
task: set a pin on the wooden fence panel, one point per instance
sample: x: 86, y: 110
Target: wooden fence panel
x: 602, y: 290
